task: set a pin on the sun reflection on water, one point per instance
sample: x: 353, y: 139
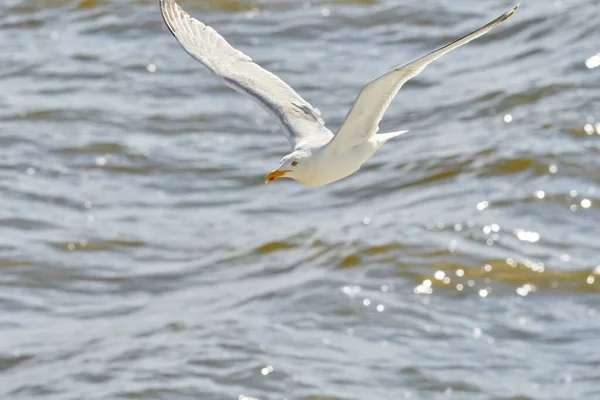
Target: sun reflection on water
x: 593, y: 61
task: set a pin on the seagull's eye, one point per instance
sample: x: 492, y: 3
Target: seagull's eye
x: 294, y: 163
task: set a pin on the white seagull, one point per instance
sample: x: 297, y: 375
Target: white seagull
x: 318, y: 156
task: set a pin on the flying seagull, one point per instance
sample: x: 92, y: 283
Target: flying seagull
x: 318, y: 156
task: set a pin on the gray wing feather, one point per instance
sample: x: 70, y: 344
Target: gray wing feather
x: 301, y: 122
x: 362, y: 121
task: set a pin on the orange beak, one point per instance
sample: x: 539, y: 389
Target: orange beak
x: 275, y: 174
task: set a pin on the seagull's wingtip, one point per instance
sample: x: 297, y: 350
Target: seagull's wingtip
x: 508, y: 14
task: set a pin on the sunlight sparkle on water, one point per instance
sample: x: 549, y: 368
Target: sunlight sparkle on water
x: 452, y: 245
x: 535, y: 266
x: 252, y: 13
x: 482, y: 205
x: 351, y: 290
x: 266, y: 370
x: 424, y: 288
x: 527, y: 236
x: 593, y: 61
x: 586, y: 203
x: 526, y: 289
x: 539, y: 194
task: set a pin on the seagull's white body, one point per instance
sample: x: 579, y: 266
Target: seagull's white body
x: 319, y: 157
x: 326, y: 166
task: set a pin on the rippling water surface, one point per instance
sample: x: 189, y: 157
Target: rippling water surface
x: 142, y: 257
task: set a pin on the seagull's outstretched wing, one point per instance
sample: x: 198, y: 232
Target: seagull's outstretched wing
x: 363, y: 119
x: 299, y: 120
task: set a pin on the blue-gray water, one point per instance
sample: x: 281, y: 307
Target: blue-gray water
x: 142, y: 257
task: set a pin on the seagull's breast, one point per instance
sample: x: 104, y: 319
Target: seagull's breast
x: 330, y: 167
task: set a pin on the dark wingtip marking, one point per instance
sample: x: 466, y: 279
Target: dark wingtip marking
x: 511, y: 12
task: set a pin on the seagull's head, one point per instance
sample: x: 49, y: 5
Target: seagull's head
x: 295, y: 166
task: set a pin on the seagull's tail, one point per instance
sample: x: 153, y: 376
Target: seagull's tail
x: 384, y: 137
